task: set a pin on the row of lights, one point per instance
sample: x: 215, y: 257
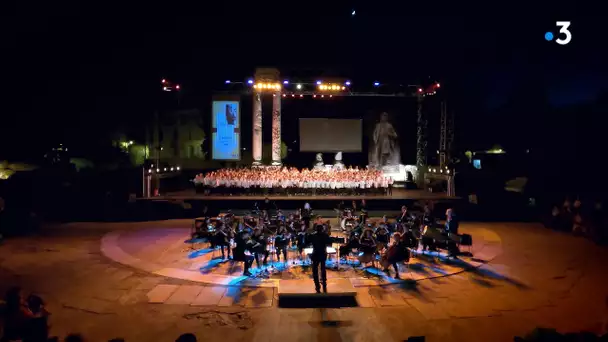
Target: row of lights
x: 432, y: 90
x: 301, y: 95
x: 165, y: 169
x: 267, y: 86
x: 439, y: 170
x: 434, y: 87
x: 331, y: 87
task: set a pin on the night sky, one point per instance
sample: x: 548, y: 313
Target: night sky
x: 75, y: 73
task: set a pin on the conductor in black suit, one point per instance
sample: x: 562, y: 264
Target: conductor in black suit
x: 319, y: 240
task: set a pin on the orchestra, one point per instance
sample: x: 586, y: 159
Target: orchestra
x: 258, y: 236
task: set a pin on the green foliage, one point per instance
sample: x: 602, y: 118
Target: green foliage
x: 138, y: 154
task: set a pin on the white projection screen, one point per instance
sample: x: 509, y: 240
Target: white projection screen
x: 330, y: 135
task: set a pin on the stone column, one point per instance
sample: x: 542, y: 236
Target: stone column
x: 256, y: 146
x: 276, y: 129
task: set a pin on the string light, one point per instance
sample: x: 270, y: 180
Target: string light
x: 331, y: 87
x: 267, y: 86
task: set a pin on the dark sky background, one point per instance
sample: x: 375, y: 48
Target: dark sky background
x: 72, y: 73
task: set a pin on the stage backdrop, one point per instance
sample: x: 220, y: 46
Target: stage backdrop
x: 226, y: 130
x: 330, y: 135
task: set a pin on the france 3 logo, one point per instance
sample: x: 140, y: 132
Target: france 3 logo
x: 563, y: 37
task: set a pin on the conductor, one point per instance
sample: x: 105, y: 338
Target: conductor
x: 319, y: 240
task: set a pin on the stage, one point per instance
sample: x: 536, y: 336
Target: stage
x: 397, y: 194
x: 164, y: 251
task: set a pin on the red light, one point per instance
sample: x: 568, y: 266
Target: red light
x: 438, y: 85
x: 284, y: 95
x: 314, y: 96
x: 292, y: 95
x: 420, y: 90
x: 163, y: 81
x: 177, y: 87
x: 301, y: 95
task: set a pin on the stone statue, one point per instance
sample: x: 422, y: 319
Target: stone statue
x: 338, y: 165
x: 385, y: 149
x: 319, y: 165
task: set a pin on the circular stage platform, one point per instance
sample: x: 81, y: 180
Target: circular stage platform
x: 164, y: 252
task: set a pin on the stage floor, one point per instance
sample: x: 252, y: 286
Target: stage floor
x: 163, y: 251
x: 397, y: 194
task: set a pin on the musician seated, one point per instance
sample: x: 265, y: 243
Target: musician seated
x: 382, y: 236
x: 451, y: 223
x: 396, y: 253
x: 428, y: 235
x: 222, y: 239
x: 243, y: 243
x: 367, y: 243
x: 427, y: 218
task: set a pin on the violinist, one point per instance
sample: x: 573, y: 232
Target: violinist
x: 259, y: 247
x: 243, y: 242
x: 281, y: 242
x: 396, y: 253
x: 405, y: 217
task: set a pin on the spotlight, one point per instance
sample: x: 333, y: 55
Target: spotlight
x: 177, y: 87
x: 165, y: 169
x: 331, y: 96
x: 171, y: 169
x: 250, y: 82
x: 314, y: 96
x: 163, y: 81
x: 292, y: 95
x: 177, y: 168
x: 319, y: 82
x: 227, y: 81
x: 284, y: 95
x: 157, y: 170
x: 376, y: 84
x: 285, y: 82
x: 150, y: 171
x: 343, y: 88
x: 322, y: 96
x: 447, y: 171
x: 347, y: 83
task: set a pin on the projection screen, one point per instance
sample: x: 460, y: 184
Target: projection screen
x: 226, y: 131
x: 330, y: 135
